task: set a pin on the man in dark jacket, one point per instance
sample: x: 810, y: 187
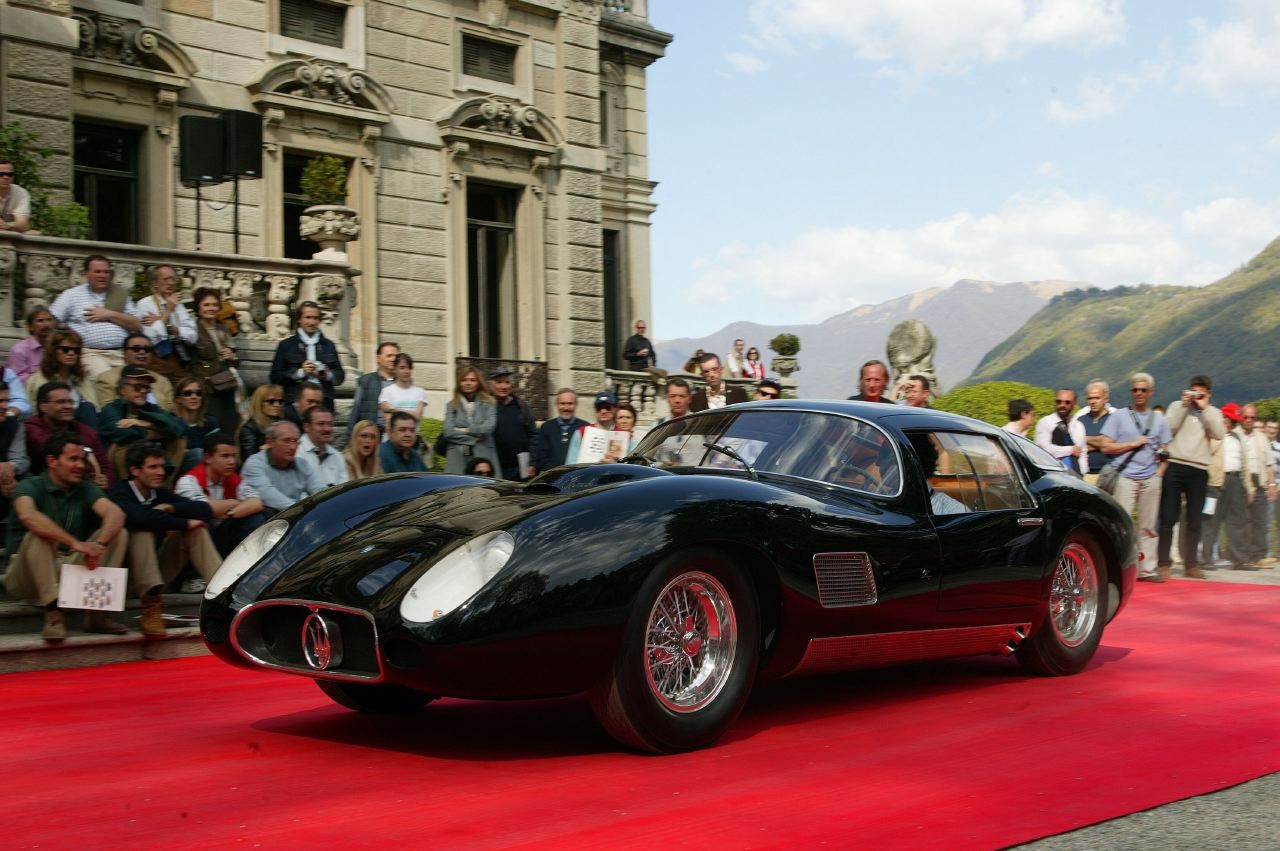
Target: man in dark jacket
x: 56, y: 414
x: 551, y: 441
x: 155, y: 514
x: 369, y: 387
x: 638, y: 351
x: 131, y: 418
x: 716, y: 394
x: 307, y: 357
x: 513, y: 434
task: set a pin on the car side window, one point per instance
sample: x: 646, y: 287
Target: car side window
x: 969, y: 472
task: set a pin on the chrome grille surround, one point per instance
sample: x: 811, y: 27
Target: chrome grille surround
x: 845, y: 579
x: 266, y: 634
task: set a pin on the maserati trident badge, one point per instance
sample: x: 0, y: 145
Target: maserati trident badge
x: 317, y: 647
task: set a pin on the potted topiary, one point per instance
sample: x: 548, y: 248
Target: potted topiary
x: 787, y: 346
x: 328, y: 221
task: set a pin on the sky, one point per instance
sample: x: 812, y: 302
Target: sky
x: 816, y: 155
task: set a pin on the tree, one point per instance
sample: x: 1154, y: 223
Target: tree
x: 989, y: 401
x: 22, y: 147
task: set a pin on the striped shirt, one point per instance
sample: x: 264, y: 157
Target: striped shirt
x: 69, y: 309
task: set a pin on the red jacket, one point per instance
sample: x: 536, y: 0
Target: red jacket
x: 229, y: 483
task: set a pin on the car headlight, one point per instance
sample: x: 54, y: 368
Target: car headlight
x: 248, y: 553
x: 451, y: 581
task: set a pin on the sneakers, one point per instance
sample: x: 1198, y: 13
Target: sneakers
x: 1195, y: 573
x: 1267, y: 563
x: 152, y: 620
x: 55, y: 626
x: 192, y: 586
x: 1150, y: 577
x: 98, y: 622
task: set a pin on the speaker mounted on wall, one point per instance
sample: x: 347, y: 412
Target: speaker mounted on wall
x: 200, y: 151
x: 243, y: 143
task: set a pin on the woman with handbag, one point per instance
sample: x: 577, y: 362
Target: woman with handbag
x: 469, y: 421
x: 215, y: 360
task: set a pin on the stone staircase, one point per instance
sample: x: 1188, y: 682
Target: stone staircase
x: 22, y: 649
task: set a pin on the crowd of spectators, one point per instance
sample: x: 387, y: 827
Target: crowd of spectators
x: 122, y: 441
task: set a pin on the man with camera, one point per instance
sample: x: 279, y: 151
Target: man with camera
x: 1193, y: 422
x: 1135, y: 439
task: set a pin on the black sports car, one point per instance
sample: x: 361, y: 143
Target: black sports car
x: 770, y: 539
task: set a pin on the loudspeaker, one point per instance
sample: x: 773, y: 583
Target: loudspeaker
x: 243, y: 139
x: 200, y: 149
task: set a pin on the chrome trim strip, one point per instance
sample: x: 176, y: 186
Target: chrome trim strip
x: 1030, y: 521
x: 314, y: 607
x: 845, y: 652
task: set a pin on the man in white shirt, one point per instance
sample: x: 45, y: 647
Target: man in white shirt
x: 316, y: 446
x: 1063, y: 436
x: 165, y: 320
x: 102, y: 317
x: 735, y: 361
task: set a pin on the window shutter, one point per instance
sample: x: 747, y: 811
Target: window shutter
x: 312, y: 21
x: 488, y: 59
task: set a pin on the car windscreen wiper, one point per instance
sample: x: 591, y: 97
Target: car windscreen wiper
x: 732, y: 453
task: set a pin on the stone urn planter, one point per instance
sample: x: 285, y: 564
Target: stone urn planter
x: 784, y: 366
x: 332, y: 226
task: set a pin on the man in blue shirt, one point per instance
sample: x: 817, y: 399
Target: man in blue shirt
x: 280, y: 478
x: 396, y: 453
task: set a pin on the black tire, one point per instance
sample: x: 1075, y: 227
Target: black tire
x: 375, y: 697
x: 684, y: 688
x: 1069, y: 635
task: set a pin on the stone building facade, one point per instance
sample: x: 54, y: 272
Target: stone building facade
x: 496, y: 153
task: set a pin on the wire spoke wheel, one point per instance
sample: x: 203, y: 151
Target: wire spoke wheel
x: 691, y: 642
x: 1074, y: 597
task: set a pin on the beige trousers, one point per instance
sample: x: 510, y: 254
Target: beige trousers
x: 98, y: 361
x: 34, y: 570
x: 150, y: 566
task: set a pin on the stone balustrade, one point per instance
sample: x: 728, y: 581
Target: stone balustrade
x: 647, y: 392
x: 264, y: 290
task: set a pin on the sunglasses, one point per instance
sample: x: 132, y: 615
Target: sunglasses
x: 139, y: 348
x: 7, y: 174
x: 69, y: 350
x: 191, y: 393
x: 1139, y: 389
x: 1063, y: 402
x: 764, y: 395
x: 273, y: 401
x: 134, y: 386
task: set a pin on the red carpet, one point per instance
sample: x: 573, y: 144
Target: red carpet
x: 1180, y: 701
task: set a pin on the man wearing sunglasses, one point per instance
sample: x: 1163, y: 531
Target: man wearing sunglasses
x: 1063, y: 436
x: 131, y: 418
x: 102, y: 314
x: 15, y: 202
x: 136, y: 351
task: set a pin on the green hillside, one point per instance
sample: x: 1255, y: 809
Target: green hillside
x: 1229, y: 330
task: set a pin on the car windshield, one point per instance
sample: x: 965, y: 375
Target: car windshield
x: 827, y: 448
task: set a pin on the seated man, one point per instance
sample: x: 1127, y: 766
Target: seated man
x: 136, y: 351
x: 280, y: 478
x: 309, y: 396
x: 236, y: 508
x: 397, y: 453
x: 153, y: 514
x: 53, y: 522
x: 317, y: 445
x: 14, y: 462
x: 56, y: 414
x: 131, y: 418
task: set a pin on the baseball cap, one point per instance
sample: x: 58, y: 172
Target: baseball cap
x: 1232, y: 412
x: 499, y: 371
x: 138, y: 373
x: 604, y: 397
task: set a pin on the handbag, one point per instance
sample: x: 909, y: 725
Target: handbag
x: 1109, y: 475
x: 223, y: 380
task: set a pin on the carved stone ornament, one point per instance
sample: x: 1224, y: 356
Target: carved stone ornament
x: 334, y: 83
x: 498, y: 116
x: 332, y: 226
x: 114, y: 39
x: 910, y: 349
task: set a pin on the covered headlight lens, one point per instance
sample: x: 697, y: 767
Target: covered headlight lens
x: 249, y: 552
x: 451, y: 581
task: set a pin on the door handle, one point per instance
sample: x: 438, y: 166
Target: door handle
x: 1030, y: 521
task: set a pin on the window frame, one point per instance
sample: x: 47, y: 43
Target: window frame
x: 352, y: 51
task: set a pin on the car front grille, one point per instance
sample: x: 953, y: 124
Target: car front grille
x: 315, y: 639
x: 844, y: 579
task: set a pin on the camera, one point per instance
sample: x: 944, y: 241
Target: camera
x: 1162, y: 454
x: 1194, y: 394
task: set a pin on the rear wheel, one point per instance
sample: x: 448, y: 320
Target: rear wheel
x: 375, y: 697
x: 688, y: 657
x: 1072, y: 628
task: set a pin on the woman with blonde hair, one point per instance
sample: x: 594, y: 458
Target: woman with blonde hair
x: 265, y: 408
x: 469, y: 421
x: 61, y: 362
x: 362, y: 451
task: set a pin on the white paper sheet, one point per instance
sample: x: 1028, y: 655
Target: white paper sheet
x: 102, y: 589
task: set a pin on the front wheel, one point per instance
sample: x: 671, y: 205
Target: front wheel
x: 1072, y: 627
x: 375, y: 697
x: 687, y: 660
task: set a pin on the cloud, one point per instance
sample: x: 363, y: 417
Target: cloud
x: 1096, y: 100
x: 1237, y: 56
x: 938, y: 38
x: 1030, y: 237
x: 1049, y: 169
x: 746, y: 63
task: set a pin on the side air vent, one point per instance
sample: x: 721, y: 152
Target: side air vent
x: 844, y: 579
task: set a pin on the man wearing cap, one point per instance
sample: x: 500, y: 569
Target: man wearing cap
x: 551, y: 443
x: 1248, y: 477
x: 136, y: 351
x: 307, y: 357
x: 513, y: 435
x: 605, y: 404
x: 100, y: 313
x: 716, y: 394
x: 768, y: 389
x: 131, y: 418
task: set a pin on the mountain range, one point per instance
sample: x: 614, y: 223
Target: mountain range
x: 968, y: 318
x: 1228, y: 330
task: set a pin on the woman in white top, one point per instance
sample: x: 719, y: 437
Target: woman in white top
x: 403, y: 395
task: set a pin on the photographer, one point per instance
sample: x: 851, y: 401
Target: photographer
x: 1136, y: 439
x: 1193, y: 423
